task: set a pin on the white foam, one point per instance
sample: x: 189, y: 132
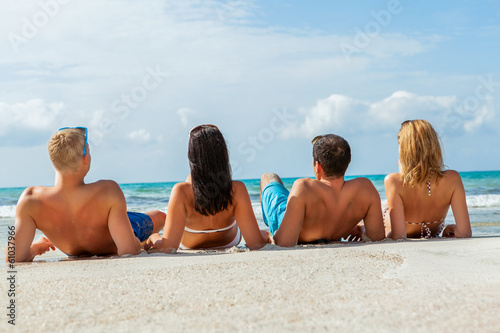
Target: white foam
x: 483, y: 200
x: 8, y: 211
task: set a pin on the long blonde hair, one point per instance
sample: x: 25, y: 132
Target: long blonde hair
x: 420, y: 154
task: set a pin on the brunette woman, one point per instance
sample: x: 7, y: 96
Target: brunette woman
x: 209, y: 210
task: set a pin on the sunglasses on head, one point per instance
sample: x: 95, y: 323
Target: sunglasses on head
x: 86, y: 136
x: 313, y: 141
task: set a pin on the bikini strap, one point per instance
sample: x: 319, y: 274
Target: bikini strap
x: 209, y: 231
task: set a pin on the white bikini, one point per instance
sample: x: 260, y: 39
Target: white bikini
x: 234, y: 242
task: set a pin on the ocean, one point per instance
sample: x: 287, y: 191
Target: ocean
x: 482, y: 189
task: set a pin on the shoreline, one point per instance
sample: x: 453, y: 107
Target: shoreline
x: 348, y: 175
x: 449, y: 285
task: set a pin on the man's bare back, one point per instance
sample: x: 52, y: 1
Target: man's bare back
x: 76, y: 219
x: 326, y: 208
x: 329, y: 210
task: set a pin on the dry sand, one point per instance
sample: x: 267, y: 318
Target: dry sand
x: 413, y: 286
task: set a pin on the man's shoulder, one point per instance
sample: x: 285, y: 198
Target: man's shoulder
x: 105, y: 186
x: 31, y: 199
x: 105, y: 183
x: 361, y: 188
x: 107, y: 191
x: 306, y: 182
x: 33, y: 193
x: 307, y: 188
x: 359, y: 182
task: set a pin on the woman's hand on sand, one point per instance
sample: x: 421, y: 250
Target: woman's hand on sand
x: 151, y: 241
x: 267, y: 237
x: 155, y: 241
x: 148, y: 244
x: 449, y: 231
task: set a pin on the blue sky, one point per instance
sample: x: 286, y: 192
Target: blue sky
x: 270, y: 74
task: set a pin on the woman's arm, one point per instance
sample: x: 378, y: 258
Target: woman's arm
x: 175, y: 222
x: 245, y: 217
x: 459, y: 207
x: 396, y: 208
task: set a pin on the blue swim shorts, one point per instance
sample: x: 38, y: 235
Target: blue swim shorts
x: 142, y: 225
x: 273, y: 202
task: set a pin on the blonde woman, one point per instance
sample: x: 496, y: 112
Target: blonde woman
x: 419, y: 197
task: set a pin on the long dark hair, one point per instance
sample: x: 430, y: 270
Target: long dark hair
x: 210, y: 170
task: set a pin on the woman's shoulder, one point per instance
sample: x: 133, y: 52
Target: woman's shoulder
x: 451, y: 173
x: 181, y: 189
x: 393, y: 179
x: 451, y: 176
x: 239, y: 186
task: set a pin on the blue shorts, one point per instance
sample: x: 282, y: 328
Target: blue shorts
x: 273, y: 202
x: 142, y: 225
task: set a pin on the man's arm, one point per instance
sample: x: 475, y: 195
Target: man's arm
x: 288, y: 233
x: 119, y: 224
x: 24, y: 232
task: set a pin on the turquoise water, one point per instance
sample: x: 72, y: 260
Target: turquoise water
x: 482, y: 189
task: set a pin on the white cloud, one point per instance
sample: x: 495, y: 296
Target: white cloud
x: 185, y: 114
x: 140, y: 136
x: 96, y: 38
x: 35, y: 114
x: 342, y: 114
x: 482, y: 115
x: 226, y: 62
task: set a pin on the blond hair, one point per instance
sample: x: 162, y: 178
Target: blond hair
x: 419, y: 152
x: 66, y: 149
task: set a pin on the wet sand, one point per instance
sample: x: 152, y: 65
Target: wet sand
x: 414, y: 286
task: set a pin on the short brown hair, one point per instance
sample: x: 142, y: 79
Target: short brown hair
x: 66, y: 148
x: 333, y: 153
x: 420, y: 153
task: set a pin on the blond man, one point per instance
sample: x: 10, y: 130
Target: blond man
x: 79, y: 219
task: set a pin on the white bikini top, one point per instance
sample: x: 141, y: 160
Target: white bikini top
x: 209, y: 231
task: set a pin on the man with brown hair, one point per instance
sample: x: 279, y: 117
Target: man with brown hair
x: 80, y: 219
x: 326, y: 208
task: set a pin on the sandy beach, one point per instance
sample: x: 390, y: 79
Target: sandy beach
x: 414, y: 286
